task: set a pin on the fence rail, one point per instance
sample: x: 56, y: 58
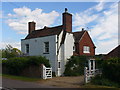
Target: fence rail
x: 46, y: 72
x: 89, y: 74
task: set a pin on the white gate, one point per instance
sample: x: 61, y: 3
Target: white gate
x: 46, y: 72
x: 90, y: 71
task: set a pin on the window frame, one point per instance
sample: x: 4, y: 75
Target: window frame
x: 46, y: 48
x: 86, y: 49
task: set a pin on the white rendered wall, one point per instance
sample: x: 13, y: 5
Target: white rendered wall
x: 68, y: 49
x: 36, y: 48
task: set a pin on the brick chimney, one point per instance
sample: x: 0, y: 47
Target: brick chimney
x: 67, y: 21
x: 31, y: 26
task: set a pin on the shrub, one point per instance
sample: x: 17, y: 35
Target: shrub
x: 75, y: 66
x: 100, y: 80
x: 111, y: 69
x: 17, y: 64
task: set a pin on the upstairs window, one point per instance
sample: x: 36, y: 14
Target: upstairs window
x: 46, y: 44
x: 27, y: 48
x: 86, y: 49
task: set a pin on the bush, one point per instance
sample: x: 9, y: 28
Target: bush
x: 111, y: 69
x: 16, y: 65
x: 75, y: 66
x: 100, y: 80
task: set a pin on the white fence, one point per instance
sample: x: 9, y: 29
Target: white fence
x: 46, y: 72
x: 90, y: 71
x: 90, y: 74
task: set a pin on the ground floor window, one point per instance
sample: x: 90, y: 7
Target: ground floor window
x: 27, y: 48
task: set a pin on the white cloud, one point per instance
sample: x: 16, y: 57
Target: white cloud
x: 87, y: 16
x: 105, y: 31
x: 13, y: 44
x: 22, y: 16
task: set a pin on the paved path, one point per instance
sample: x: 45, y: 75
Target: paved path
x: 10, y: 83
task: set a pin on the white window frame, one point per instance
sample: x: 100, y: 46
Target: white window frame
x: 46, y: 47
x: 86, y: 49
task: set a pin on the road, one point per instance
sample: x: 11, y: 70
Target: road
x: 10, y: 83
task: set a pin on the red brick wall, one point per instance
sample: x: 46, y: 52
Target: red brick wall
x: 31, y: 27
x: 86, y: 41
x: 67, y: 21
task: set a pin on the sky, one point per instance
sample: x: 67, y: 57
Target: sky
x: 100, y: 19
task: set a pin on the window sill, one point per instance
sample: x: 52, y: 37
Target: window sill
x: 45, y: 53
x: 86, y: 52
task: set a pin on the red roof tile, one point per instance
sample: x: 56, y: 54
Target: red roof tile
x: 78, y: 35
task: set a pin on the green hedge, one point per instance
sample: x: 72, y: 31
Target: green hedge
x: 100, y: 80
x: 16, y: 65
x: 75, y: 66
x: 110, y: 72
x: 111, y: 69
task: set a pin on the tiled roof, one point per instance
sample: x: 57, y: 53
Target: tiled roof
x: 46, y: 31
x: 78, y: 35
x: 114, y: 53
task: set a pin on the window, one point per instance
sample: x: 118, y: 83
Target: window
x: 59, y: 65
x: 86, y: 49
x: 46, y: 47
x: 73, y: 48
x: 27, y: 48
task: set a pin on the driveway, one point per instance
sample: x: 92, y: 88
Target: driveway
x: 65, y: 82
x: 10, y: 83
x: 55, y: 82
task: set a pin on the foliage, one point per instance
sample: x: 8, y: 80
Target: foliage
x: 111, y: 69
x: 100, y: 80
x: 75, y: 66
x: 10, y: 52
x: 17, y: 64
x: 110, y: 72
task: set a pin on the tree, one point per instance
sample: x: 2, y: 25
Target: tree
x: 9, y: 52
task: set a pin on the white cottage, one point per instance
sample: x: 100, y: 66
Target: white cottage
x: 55, y: 43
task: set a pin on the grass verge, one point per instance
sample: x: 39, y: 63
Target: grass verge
x: 21, y: 78
x: 89, y: 85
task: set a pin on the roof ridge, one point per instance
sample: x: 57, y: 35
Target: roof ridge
x: 79, y: 31
x: 49, y: 27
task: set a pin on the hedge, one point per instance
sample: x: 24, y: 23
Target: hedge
x: 111, y: 69
x: 17, y: 64
x: 75, y: 66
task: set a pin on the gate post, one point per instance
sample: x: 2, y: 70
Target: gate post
x: 85, y: 75
x: 43, y: 71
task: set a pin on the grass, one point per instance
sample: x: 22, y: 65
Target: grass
x: 21, y: 78
x: 89, y: 85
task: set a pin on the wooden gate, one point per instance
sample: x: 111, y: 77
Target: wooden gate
x: 90, y: 71
x: 46, y: 72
